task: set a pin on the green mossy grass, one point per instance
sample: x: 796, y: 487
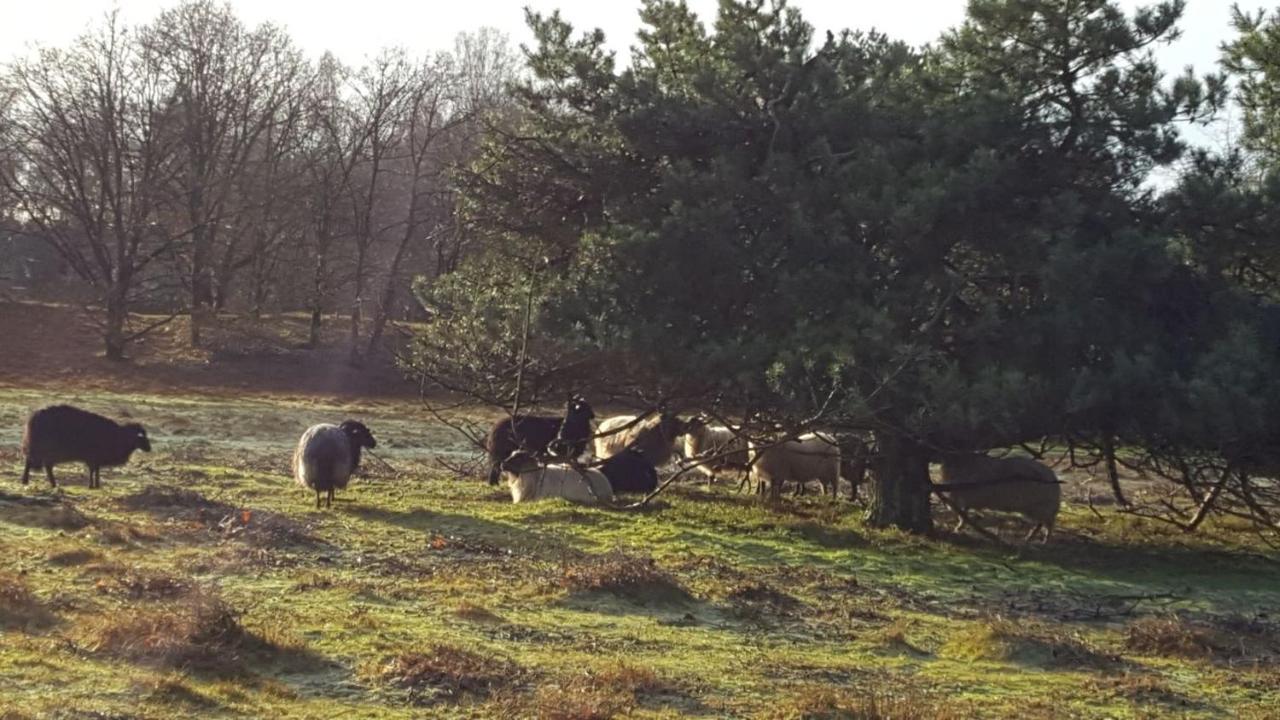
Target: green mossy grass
x: 420, y: 594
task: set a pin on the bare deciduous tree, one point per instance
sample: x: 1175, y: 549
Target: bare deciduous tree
x: 232, y: 87
x: 90, y: 130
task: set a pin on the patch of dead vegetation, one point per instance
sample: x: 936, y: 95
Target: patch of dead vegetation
x: 821, y: 702
x: 477, y: 613
x: 1000, y: 640
x: 196, y: 631
x: 627, y: 576
x: 260, y: 528
x: 445, y: 673
x: 20, y: 609
x: 600, y: 693
x: 44, y: 513
x: 1138, y: 688
x: 72, y: 557
x: 1231, y: 641
x: 140, y: 584
x: 893, y: 638
x: 757, y: 600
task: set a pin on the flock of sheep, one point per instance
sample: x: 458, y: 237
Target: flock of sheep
x: 539, y: 457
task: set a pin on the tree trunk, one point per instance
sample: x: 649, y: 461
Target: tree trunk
x: 117, y: 313
x: 357, y: 302
x: 1113, y: 473
x: 201, y: 283
x: 900, y: 487
x: 383, y: 310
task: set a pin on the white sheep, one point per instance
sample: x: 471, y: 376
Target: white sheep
x: 713, y: 448
x: 327, y: 455
x: 530, y: 481
x: 653, y: 436
x: 812, y: 456
x: 1012, y: 484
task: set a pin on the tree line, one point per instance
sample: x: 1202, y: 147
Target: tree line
x: 195, y: 165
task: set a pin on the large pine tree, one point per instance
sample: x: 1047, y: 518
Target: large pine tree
x: 951, y: 247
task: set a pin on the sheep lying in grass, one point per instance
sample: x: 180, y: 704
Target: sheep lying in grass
x: 713, y: 448
x: 61, y: 433
x: 529, y: 480
x: 654, y: 436
x: 327, y: 455
x: 812, y: 456
x: 1013, y: 484
x: 630, y: 472
x: 542, y: 435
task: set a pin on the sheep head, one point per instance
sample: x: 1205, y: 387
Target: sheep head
x: 578, y: 407
x: 359, y: 434
x: 520, y: 461
x: 138, y: 435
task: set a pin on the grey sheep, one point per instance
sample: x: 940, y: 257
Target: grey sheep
x: 1013, y: 484
x: 327, y: 455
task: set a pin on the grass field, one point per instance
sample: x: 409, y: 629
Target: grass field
x: 200, y: 581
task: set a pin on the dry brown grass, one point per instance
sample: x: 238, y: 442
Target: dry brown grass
x: 140, y: 584
x: 199, y: 631
x: 449, y: 673
x: 477, y: 614
x: 599, y: 693
x: 621, y: 574
x: 826, y: 703
x: 1000, y: 640
x: 20, y: 609
x: 76, y: 556
x: 893, y: 637
x: 1232, y: 640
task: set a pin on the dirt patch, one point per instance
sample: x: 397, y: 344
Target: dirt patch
x: 446, y: 673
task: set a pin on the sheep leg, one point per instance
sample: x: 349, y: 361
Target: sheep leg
x: 328, y: 503
x: 1032, y: 532
x: 48, y: 470
x: 26, y: 472
x: 317, y: 499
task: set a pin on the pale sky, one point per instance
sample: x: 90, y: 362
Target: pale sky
x: 354, y: 29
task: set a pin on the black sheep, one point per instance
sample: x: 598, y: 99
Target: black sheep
x: 542, y: 435
x: 61, y: 433
x: 630, y: 472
